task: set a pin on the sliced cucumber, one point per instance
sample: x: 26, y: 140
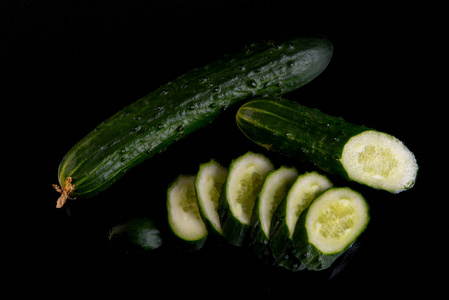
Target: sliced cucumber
x: 183, y: 213
x: 208, y: 184
x: 243, y: 183
x: 304, y: 190
x: 275, y: 187
x: 330, y: 226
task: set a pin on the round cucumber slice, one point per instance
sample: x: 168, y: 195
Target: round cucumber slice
x: 335, y: 219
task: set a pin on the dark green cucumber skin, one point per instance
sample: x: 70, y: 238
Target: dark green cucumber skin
x: 259, y: 240
x: 234, y: 231
x: 188, y: 103
x: 140, y: 234
x: 306, y: 252
x: 297, y: 131
x: 280, y: 243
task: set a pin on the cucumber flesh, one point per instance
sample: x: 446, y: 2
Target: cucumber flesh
x: 303, y: 191
x: 273, y: 192
x: 336, y: 219
x: 330, y: 226
x: 306, y: 188
x: 183, y: 213
x: 379, y: 160
x: 244, y: 184
x: 208, y: 185
x: 276, y: 185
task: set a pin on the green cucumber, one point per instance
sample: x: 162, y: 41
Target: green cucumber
x: 184, y: 105
x: 183, y: 213
x: 208, y: 185
x: 329, y: 226
x: 140, y: 234
x: 303, y: 191
x: 276, y: 185
x: 356, y: 152
x: 243, y: 183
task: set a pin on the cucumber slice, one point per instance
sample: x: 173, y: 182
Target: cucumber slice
x: 379, y: 160
x: 275, y: 187
x: 183, y: 213
x: 304, y: 190
x: 329, y: 227
x: 208, y: 184
x: 243, y: 183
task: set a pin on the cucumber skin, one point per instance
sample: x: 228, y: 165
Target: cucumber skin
x: 306, y: 252
x: 234, y: 232
x: 297, y: 131
x: 188, y: 103
x: 280, y: 243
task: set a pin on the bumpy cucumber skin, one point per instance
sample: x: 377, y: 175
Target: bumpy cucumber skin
x: 297, y: 131
x: 188, y: 103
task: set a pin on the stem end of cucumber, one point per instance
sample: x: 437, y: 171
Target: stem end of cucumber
x: 65, y: 192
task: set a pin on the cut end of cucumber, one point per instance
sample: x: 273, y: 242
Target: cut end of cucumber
x: 379, y: 160
x: 305, y: 189
x: 208, y: 184
x: 183, y: 213
x: 336, y: 219
x: 245, y: 180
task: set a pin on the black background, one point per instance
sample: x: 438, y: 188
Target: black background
x: 69, y: 65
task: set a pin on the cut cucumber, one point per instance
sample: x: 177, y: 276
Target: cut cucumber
x: 304, y: 190
x: 275, y: 187
x: 183, y: 213
x: 243, y: 183
x: 331, y: 224
x: 379, y: 160
x: 208, y: 184
x: 356, y: 152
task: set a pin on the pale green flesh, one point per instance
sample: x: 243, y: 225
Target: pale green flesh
x: 244, y: 182
x: 305, y: 189
x: 183, y: 213
x: 209, y: 183
x: 274, y: 189
x: 335, y: 219
x: 380, y: 161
